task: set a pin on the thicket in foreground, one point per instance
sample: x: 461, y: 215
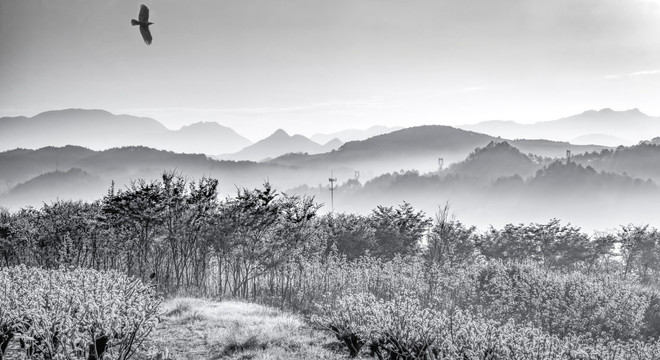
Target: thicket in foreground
x: 404, y: 329
x: 78, y: 314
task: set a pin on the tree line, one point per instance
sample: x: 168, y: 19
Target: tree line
x: 262, y: 243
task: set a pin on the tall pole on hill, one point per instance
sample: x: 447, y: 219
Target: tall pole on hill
x: 332, y: 180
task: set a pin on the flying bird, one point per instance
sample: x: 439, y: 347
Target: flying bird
x: 143, y: 21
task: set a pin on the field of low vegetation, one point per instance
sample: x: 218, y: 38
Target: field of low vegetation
x: 197, y: 329
x: 88, y: 280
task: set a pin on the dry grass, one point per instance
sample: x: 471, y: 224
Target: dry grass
x: 197, y: 329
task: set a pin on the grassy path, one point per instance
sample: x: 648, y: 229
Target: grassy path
x: 196, y: 329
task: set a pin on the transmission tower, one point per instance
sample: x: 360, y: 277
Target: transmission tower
x: 332, y: 180
x: 568, y: 156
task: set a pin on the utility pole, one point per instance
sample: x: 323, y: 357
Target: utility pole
x: 332, y: 180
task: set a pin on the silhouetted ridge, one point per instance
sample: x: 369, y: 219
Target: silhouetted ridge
x: 208, y: 138
x: 427, y: 137
x: 573, y: 177
x: 497, y: 159
x: 641, y: 160
x: 100, y: 130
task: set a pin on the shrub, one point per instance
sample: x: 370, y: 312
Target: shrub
x: 403, y: 329
x: 60, y: 314
x: 599, y: 306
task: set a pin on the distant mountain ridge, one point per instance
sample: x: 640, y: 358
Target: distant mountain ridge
x: 615, y: 127
x: 101, y: 130
x: 74, y: 127
x: 201, y: 138
x: 278, y: 144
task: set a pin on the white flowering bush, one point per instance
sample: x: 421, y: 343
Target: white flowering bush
x: 595, y: 305
x: 404, y: 329
x: 83, y: 313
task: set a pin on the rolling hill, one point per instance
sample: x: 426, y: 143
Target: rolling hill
x: 495, y: 160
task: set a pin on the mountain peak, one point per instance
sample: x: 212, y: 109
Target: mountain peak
x: 205, y: 126
x: 279, y: 133
x: 202, y: 124
x: 73, y: 112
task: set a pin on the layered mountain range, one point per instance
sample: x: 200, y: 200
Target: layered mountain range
x: 425, y: 165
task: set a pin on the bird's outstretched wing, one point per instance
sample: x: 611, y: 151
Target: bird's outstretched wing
x: 144, y: 14
x: 146, y: 34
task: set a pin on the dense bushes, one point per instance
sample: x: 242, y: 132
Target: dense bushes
x: 79, y: 314
x: 402, y: 328
x: 596, y: 305
x: 502, y: 310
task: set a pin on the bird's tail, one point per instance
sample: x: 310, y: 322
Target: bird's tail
x: 134, y: 22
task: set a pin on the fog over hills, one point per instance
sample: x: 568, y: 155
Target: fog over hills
x: 420, y: 148
x: 34, y: 169
x: 21, y: 165
x: 73, y: 184
x: 601, y: 139
x: 578, y: 194
x: 606, y: 126
x: 488, y: 179
x: 354, y: 134
x: 494, y: 184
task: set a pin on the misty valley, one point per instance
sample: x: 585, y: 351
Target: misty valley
x: 426, y: 242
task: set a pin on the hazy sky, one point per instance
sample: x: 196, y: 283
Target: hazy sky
x: 320, y: 65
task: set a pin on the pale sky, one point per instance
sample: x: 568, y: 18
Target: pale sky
x: 322, y: 65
